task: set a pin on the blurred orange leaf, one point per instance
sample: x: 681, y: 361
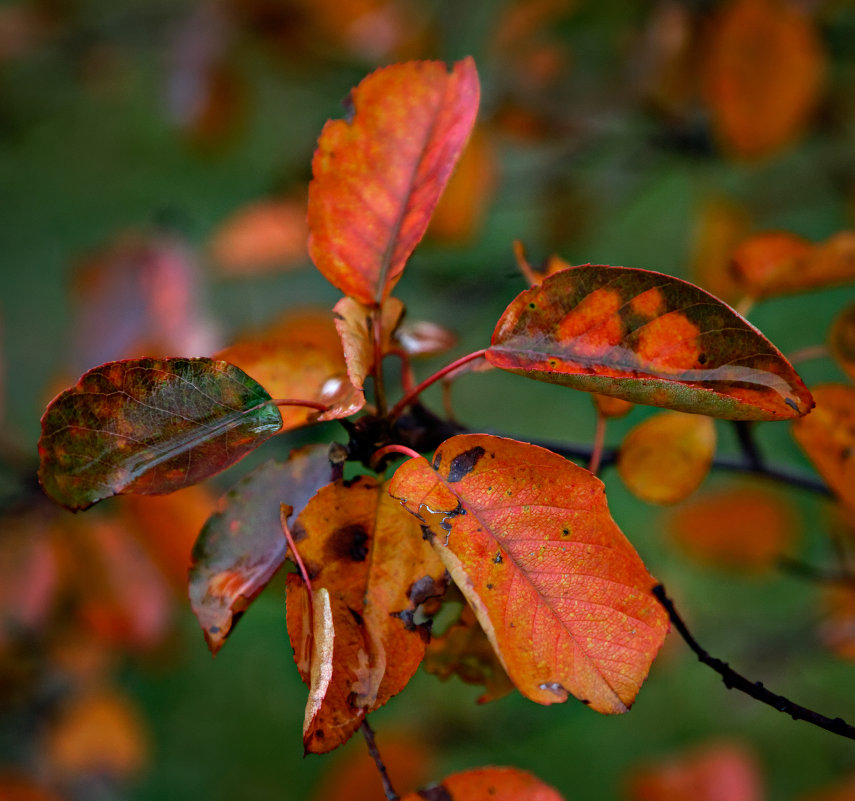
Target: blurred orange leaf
x: 378, y: 175
x: 14, y: 787
x: 763, y: 74
x: 527, y: 537
x: 841, y: 340
x: 740, y: 528
x: 610, y: 407
x: 842, y: 791
x: 665, y: 458
x: 358, y: 544
x: 488, y: 784
x: 827, y: 436
x: 716, y: 772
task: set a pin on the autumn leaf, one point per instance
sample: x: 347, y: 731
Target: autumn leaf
x: 150, y: 426
x: 841, y: 340
x: 527, y: 537
x: 665, y: 458
x: 377, y: 176
x: 15, y: 787
x: 360, y: 546
x: 714, y: 772
x: 647, y: 338
x: 424, y: 338
x: 827, y: 436
x: 495, y: 784
x: 841, y: 791
x: 611, y: 407
x: 762, y: 74
x: 355, y: 325
x: 242, y: 545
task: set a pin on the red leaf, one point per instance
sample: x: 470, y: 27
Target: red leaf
x: 488, y: 784
x: 528, y: 539
x: 150, y: 426
x: 379, y: 174
x: 647, y: 338
x: 242, y: 545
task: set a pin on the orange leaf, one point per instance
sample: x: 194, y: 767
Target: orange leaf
x: 841, y: 340
x: 665, y: 458
x: 610, y: 407
x: 843, y: 791
x: 527, y: 537
x: 379, y: 174
x: 14, y: 787
x: 776, y: 262
x: 488, y: 784
x: 741, y: 528
x: 359, y: 545
x: 355, y: 325
x: 827, y: 436
x: 719, y: 772
x: 763, y: 75
x: 647, y: 338
x: 300, y: 358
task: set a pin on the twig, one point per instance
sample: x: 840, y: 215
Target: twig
x: 735, y: 681
x: 368, y: 734
x: 748, y: 444
x: 599, y: 442
x: 822, y: 575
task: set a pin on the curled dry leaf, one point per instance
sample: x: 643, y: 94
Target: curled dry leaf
x: 355, y: 325
x: 322, y: 652
x: 762, y: 74
x: 841, y: 340
x: 378, y: 175
x: 743, y: 528
x: 300, y: 358
x: 777, y: 263
x: 495, y: 784
x: 358, y: 544
x: 527, y: 537
x: 242, y: 545
x: 647, y: 338
x: 827, y: 436
x: 150, y: 426
x: 665, y: 458
x: 714, y: 772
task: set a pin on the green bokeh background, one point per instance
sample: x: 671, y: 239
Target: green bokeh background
x: 88, y: 151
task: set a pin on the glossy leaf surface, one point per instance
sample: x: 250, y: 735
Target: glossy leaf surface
x: 527, y: 537
x: 827, y: 436
x: 150, y: 426
x: 359, y: 545
x: 481, y: 784
x: 647, y: 338
x: 665, y: 458
x: 378, y: 175
x: 242, y: 544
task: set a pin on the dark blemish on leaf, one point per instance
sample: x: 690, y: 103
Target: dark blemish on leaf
x: 436, y: 793
x: 298, y: 532
x: 214, y: 630
x: 437, y: 460
x: 348, y: 542
x: 489, y: 586
x: 427, y: 534
x: 585, y: 701
x: 532, y: 305
x: 845, y: 453
x: 425, y: 588
x: 565, y: 532
x: 356, y: 616
x: 464, y: 463
x: 349, y: 108
x: 337, y: 316
x: 407, y: 617
x: 497, y: 559
x: 792, y: 404
x: 702, y: 359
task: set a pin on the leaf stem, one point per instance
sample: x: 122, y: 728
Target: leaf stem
x: 284, y: 513
x: 379, y: 387
x: 599, y: 442
x: 393, y: 448
x: 735, y: 681
x: 368, y: 734
x: 402, y: 404
x: 309, y: 404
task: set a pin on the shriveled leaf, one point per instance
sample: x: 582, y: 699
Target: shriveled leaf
x: 481, y: 784
x: 424, y: 338
x: 358, y: 543
x: 841, y: 340
x: 743, y: 528
x: 378, y: 175
x: 150, y: 426
x: 647, y: 338
x: 827, y: 436
x: 321, y: 658
x: 714, y: 772
x: 665, y: 458
x: 527, y: 537
x: 763, y: 74
x: 242, y: 545
x: 463, y: 650
x: 777, y: 263
x: 355, y: 325
x: 300, y: 358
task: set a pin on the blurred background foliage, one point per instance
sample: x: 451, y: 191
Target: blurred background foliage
x: 154, y: 158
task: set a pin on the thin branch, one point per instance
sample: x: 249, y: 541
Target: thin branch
x: 748, y: 444
x: 735, y: 681
x: 599, y: 443
x: 379, y: 388
x: 368, y: 734
x: 818, y: 574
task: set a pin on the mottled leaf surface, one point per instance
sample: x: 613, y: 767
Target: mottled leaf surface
x: 647, y: 338
x: 359, y: 545
x: 242, y: 544
x: 528, y: 538
x: 488, y: 784
x: 378, y: 175
x: 150, y: 426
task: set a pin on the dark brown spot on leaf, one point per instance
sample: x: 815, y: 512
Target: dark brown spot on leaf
x: 464, y: 463
x: 348, y: 542
x: 436, y: 793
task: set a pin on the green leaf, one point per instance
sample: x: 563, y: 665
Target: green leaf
x: 150, y: 426
x: 647, y: 338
